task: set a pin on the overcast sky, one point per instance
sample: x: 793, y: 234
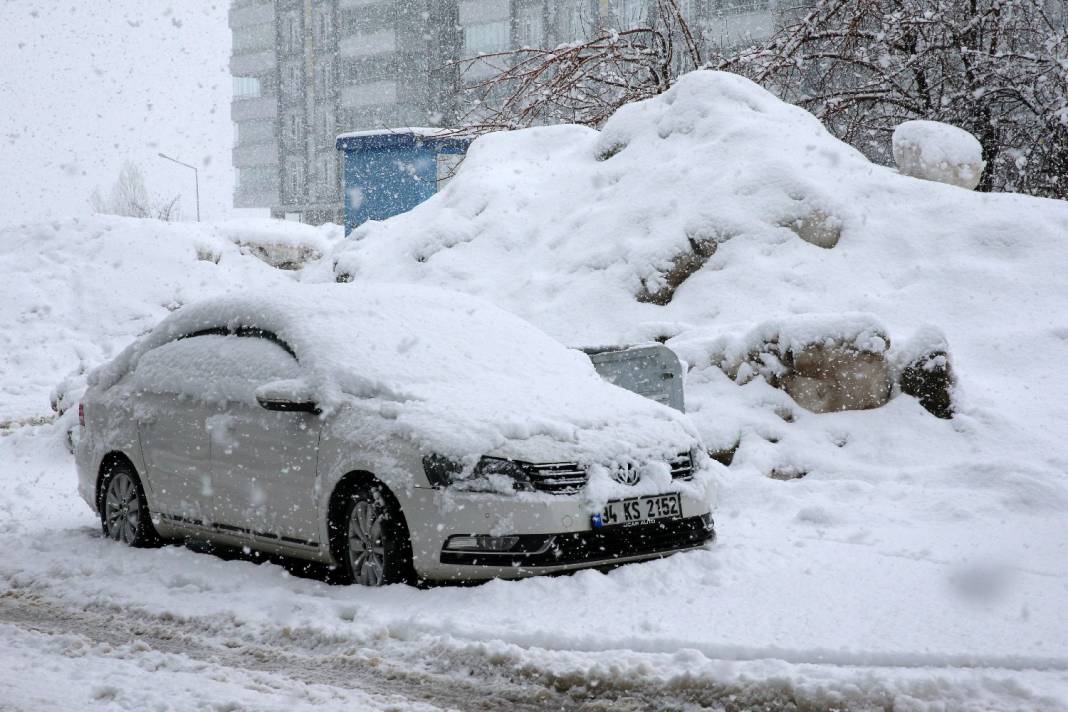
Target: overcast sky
x: 87, y: 85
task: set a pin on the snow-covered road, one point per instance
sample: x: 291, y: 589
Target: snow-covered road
x: 59, y: 654
x: 752, y: 623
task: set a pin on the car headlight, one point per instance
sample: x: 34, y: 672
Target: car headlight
x: 490, y: 474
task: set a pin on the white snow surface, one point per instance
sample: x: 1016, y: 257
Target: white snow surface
x: 919, y: 564
x: 936, y: 151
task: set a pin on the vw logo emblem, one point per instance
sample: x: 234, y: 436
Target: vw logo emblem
x: 627, y: 475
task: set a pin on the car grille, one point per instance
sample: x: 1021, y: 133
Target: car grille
x: 682, y: 467
x: 558, y: 477
x: 570, y: 477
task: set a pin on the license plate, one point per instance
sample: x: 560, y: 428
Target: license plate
x: 639, y: 510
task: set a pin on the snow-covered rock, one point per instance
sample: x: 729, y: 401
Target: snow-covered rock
x: 935, y: 151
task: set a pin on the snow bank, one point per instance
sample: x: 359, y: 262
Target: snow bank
x: 285, y: 245
x: 75, y: 292
x: 935, y: 151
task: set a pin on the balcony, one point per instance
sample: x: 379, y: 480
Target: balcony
x: 251, y: 63
x: 264, y: 107
x: 256, y: 154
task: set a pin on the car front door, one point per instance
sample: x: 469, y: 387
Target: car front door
x: 263, y: 462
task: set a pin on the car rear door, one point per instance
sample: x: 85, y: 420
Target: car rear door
x: 172, y: 412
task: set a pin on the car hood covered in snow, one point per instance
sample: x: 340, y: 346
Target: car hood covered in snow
x: 450, y: 372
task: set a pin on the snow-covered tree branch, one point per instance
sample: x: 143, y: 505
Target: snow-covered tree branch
x: 581, y: 82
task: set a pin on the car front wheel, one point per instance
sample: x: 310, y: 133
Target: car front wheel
x: 375, y: 544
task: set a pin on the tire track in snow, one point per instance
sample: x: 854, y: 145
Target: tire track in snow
x: 478, y: 677
x: 469, y: 681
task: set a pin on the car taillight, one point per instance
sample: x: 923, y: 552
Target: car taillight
x: 81, y: 414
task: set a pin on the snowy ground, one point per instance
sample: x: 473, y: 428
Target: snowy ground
x: 783, y: 611
x: 921, y: 564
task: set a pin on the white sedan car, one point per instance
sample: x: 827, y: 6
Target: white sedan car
x: 396, y: 433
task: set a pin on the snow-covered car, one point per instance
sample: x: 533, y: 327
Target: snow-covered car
x: 392, y: 432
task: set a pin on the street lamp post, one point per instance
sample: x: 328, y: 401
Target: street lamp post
x: 196, y: 178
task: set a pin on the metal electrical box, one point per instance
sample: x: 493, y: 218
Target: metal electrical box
x: 389, y: 172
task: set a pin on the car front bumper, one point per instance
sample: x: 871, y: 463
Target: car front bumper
x: 555, y: 534
x: 606, y: 546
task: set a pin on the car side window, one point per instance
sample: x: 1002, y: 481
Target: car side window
x: 214, y: 367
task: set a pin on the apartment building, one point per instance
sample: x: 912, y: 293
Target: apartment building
x: 307, y: 70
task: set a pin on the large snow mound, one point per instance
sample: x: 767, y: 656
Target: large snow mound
x: 75, y: 292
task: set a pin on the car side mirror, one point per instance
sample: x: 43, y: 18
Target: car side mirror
x: 293, y: 396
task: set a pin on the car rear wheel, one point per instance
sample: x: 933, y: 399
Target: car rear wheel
x: 375, y: 544
x: 124, y: 512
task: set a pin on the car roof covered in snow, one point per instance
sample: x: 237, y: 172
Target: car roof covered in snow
x: 450, y: 364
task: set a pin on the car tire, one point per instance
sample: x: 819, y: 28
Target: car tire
x: 373, y: 547
x: 124, y: 514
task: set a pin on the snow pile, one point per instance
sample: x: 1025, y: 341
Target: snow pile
x: 455, y: 374
x: 562, y: 218
x: 285, y: 245
x: 935, y: 151
x: 75, y: 292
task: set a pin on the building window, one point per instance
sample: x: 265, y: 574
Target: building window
x: 323, y: 28
x: 328, y: 127
x: 486, y: 38
x: 629, y: 13
x: 531, y: 27
x: 323, y: 80
x: 326, y: 176
x: 296, y: 182
x: 294, y: 127
x: 572, y: 23
x: 366, y: 44
x: 292, y: 36
x: 247, y: 88
x: 369, y: 94
x: 255, y: 178
x: 292, y: 78
x: 237, y: 133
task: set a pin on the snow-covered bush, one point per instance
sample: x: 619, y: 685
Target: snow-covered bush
x: 935, y: 151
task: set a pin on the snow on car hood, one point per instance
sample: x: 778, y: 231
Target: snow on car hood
x: 453, y: 373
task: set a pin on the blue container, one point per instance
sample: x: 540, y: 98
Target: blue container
x: 391, y: 171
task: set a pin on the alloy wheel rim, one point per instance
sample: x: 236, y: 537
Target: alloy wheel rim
x: 367, y: 552
x: 122, y: 508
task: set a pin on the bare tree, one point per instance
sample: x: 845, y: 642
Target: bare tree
x: 581, y: 82
x: 997, y: 68
x: 130, y: 198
